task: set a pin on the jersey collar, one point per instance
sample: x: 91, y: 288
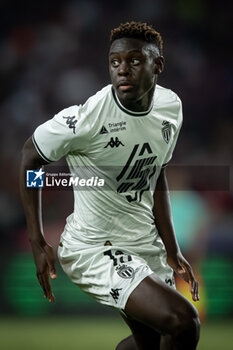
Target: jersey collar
x: 136, y: 114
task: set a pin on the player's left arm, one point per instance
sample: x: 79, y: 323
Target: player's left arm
x: 164, y: 224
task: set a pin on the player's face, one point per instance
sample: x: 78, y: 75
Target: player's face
x: 134, y: 66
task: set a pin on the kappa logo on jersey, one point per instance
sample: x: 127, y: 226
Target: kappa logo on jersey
x: 113, y: 143
x: 103, y: 130
x: 166, y: 131
x: 35, y: 178
x: 115, y: 293
x: 71, y: 122
x: 137, y: 172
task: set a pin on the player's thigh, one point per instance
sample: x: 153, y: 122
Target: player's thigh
x: 159, y: 306
x: 143, y: 335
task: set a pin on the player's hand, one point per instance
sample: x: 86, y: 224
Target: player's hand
x: 45, y: 267
x: 183, y: 269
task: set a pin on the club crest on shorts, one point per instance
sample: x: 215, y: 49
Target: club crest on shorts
x: 166, y: 130
x: 125, y: 271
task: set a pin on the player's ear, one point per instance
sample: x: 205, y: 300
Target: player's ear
x: 159, y: 64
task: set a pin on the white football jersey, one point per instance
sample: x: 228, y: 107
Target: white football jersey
x: 127, y: 149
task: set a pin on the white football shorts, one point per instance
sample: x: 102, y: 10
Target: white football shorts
x: 110, y: 273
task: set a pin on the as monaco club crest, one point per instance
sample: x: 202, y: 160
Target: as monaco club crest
x: 166, y: 131
x: 125, y: 271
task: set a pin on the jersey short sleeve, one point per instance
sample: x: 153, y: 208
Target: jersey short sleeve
x: 174, y: 141
x: 67, y: 131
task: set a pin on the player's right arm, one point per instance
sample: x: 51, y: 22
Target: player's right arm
x: 42, y: 252
x: 68, y: 131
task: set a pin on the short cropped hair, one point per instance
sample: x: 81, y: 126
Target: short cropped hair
x: 137, y: 30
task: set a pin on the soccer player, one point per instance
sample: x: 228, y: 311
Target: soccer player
x: 119, y: 244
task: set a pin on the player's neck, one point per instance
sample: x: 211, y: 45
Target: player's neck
x: 141, y: 105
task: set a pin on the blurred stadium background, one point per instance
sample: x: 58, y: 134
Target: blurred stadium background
x: 54, y: 54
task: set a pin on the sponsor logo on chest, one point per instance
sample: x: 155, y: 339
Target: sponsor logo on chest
x: 113, y: 127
